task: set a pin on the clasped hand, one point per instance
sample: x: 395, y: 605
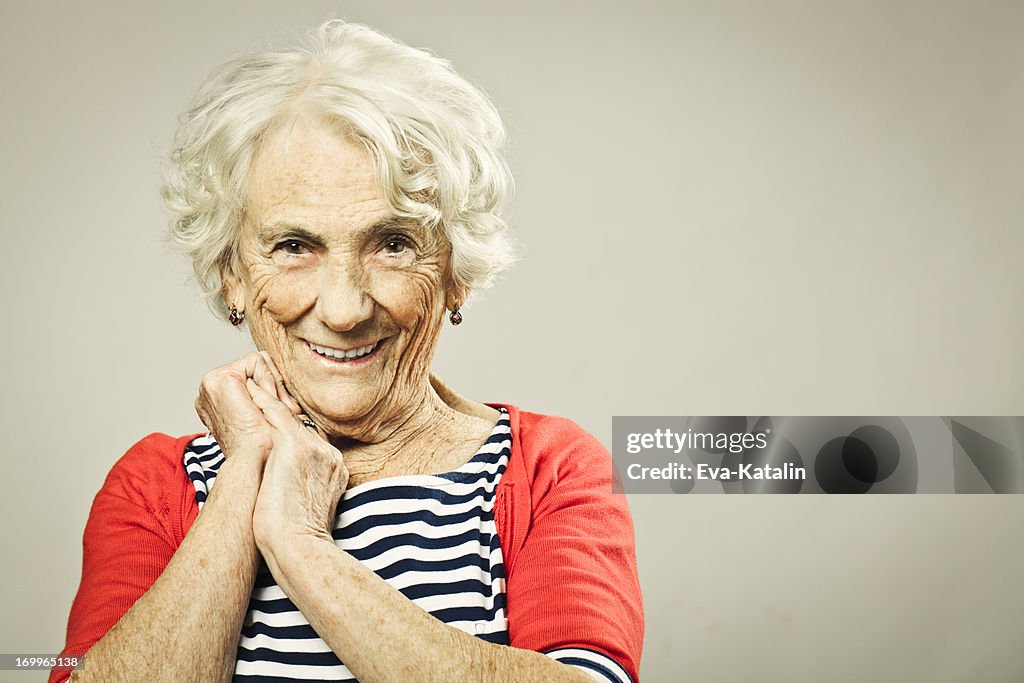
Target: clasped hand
x: 247, y: 408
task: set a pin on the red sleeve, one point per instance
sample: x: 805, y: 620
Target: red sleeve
x: 134, y: 527
x: 573, y: 583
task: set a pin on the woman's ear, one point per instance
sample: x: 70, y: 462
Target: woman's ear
x: 456, y: 297
x: 232, y: 289
x: 456, y: 294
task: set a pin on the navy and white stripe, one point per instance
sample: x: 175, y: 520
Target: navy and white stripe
x: 432, y: 537
x: 599, y: 666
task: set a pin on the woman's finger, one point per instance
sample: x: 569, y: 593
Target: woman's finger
x: 222, y: 393
x: 204, y: 415
x: 276, y: 412
x: 308, y: 423
x: 260, y: 371
x: 282, y: 390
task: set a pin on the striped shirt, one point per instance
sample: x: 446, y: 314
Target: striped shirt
x: 432, y: 537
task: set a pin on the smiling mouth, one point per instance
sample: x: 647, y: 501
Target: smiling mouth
x: 344, y: 355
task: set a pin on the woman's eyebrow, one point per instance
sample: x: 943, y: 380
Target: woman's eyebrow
x: 288, y: 230
x: 276, y: 231
x: 394, y: 223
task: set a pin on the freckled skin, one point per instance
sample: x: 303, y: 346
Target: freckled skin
x: 344, y: 284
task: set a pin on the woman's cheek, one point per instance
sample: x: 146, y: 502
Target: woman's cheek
x: 284, y: 297
x: 410, y: 298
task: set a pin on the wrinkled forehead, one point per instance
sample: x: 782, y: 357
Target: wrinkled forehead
x: 313, y: 174
x: 307, y: 165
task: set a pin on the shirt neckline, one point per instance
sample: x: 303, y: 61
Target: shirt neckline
x: 441, y: 479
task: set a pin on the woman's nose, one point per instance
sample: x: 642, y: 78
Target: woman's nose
x: 343, y: 302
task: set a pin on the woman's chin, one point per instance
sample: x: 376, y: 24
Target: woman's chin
x: 342, y: 416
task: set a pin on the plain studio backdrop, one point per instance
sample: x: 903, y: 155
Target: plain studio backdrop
x: 745, y: 207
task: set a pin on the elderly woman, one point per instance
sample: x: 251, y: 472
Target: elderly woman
x: 348, y: 516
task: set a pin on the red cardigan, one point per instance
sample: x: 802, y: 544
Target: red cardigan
x: 566, y: 539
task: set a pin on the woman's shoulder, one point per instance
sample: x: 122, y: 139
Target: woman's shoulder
x: 536, y: 430
x: 147, y: 488
x: 553, y: 427
x: 155, y: 450
x: 551, y: 442
x: 149, y: 468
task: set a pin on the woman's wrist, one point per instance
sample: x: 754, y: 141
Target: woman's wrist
x: 291, y: 552
x: 244, y: 464
x: 238, y: 481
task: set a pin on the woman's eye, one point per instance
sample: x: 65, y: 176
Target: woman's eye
x: 293, y: 247
x: 396, y: 244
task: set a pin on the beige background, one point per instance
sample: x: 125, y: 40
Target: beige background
x: 727, y: 208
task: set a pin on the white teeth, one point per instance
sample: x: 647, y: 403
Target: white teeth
x: 340, y: 354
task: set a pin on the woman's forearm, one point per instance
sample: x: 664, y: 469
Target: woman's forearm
x: 383, y: 636
x: 186, y: 626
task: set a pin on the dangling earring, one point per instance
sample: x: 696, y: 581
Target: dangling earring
x: 455, y: 317
x: 235, y: 317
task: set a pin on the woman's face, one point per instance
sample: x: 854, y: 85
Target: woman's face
x: 347, y: 299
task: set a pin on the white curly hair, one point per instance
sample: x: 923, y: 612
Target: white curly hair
x: 438, y: 143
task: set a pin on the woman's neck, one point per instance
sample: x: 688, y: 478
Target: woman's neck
x: 440, y: 434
